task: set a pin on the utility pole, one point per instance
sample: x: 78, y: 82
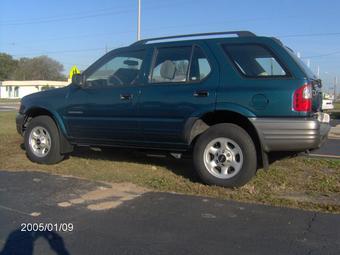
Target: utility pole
x: 138, y: 20
x: 318, y: 72
x: 335, y: 83
x: 308, y: 63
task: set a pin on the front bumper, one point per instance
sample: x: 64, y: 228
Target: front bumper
x: 291, y: 134
x: 20, y: 121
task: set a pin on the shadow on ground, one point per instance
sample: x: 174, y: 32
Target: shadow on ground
x: 182, y: 167
x: 22, y: 242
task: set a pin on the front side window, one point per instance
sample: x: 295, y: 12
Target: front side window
x: 254, y: 60
x: 121, y: 70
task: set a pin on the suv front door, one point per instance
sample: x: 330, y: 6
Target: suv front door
x: 104, y: 109
x: 182, y: 83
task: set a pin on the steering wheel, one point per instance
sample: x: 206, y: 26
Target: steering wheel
x: 114, y: 76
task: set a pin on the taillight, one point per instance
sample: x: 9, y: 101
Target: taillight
x: 302, y: 100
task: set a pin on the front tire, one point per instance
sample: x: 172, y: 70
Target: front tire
x: 42, y: 141
x: 225, y: 155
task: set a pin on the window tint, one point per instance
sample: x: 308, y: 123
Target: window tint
x: 200, y: 67
x: 254, y: 60
x: 121, y: 70
x: 171, y: 65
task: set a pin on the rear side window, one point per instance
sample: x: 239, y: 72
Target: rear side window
x: 180, y: 64
x: 171, y: 65
x: 255, y: 61
x: 200, y: 67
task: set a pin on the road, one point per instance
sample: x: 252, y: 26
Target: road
x: 8, y: 107
x: 150, y: 222
x: 331, y: 149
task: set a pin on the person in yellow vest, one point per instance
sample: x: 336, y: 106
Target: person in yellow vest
x: 74, y: 70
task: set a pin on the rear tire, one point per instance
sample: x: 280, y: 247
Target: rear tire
x: 225, y: 155
x: 42, y: 141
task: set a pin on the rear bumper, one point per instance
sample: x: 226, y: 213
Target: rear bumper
x: 20, y: 120
x: 291, y: 134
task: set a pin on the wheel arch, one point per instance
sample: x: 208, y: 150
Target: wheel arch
x: 201, y: 124
x: 33, y: 112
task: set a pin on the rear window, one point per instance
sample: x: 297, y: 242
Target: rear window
x: 255, y: 61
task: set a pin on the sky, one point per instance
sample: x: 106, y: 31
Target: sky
x: 80, y: 31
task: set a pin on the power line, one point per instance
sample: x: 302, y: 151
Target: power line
x: 102, y: 12
x: 164, y: 27
x: 66, y: 19
x: 70, y: 37
x: 62, y: 51
x: 310, y: 35
x: 63, y: 15
x: 323, y: 55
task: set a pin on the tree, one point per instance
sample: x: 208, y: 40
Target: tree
x: 39, y: 68
x: 7, y: 66
x: 47, y: 87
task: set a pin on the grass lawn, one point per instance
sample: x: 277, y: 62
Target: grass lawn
x: 337, y: 105
x: 312, y: 184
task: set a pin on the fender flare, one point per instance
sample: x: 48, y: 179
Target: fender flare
x: 195, y: 126
x: 66, y: 147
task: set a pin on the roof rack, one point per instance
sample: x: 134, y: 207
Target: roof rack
x: 238, y: 33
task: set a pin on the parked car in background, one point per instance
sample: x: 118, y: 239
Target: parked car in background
x: 327, y: 102
x: 229, y: 101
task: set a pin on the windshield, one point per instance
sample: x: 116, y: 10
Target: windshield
x: 301, y: 64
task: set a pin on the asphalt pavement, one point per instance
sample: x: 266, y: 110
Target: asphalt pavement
x: 331, y: 148
x: 149, y: 222
x: 9, y: 107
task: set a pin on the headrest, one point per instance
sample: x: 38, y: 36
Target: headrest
x: 168, y: 70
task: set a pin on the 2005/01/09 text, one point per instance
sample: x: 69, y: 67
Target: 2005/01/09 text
x: 58, y: 227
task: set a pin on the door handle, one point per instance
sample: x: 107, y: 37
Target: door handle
x: 126, y: 96
x: 201, y: 93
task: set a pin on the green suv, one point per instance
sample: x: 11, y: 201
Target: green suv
x: 230, y: 98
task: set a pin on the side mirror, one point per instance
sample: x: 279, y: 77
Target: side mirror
x: 77, y: 79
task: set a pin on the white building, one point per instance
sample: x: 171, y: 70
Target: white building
x: 19, y: 89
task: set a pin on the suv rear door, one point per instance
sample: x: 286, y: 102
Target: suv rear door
x: 182, y: 83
